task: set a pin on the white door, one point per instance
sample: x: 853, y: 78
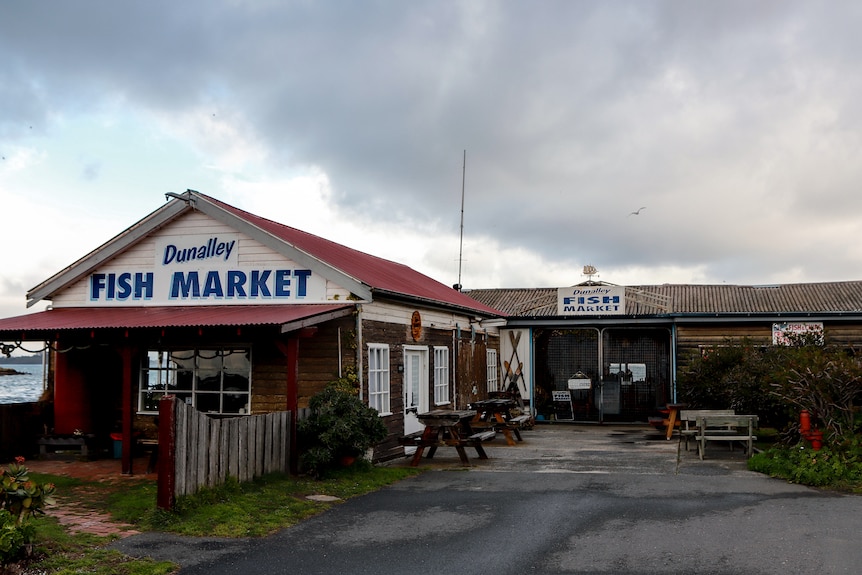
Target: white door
x: 415, y: 388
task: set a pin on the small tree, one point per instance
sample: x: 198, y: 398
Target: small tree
x: 825, y: 380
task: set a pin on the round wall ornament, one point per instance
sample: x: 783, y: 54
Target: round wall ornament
x: 416, y: 326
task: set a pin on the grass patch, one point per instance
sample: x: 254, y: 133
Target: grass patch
x: 265, y: 505
x: 235, y: 509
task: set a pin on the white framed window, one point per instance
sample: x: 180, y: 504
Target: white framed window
x: 214, y: 380
x: 491, y: 370
x: 378, y: 378
x: 441, y: 375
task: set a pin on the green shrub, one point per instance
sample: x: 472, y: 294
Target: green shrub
x: 735, y: 375
x: 20, y: 499
x: 339, y: 425
x: 832, y: 466
x: 13, y: 537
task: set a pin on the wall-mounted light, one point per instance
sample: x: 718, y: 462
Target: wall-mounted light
x: 400, y: 368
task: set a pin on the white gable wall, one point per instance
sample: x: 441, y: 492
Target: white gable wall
x: 142, y: 258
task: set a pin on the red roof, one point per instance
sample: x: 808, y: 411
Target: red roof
x: 378, y: 273
x: 144, y: 317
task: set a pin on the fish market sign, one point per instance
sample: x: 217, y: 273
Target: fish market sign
x: 591, y: 300
x: 791, y: 333
x: 205, y: 269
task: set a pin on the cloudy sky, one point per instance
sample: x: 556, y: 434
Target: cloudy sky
x: 735, y: 126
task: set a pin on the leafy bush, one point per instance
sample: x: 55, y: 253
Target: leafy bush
x: 824, y: 380
x: 13, y: 537
x: 777, y: 382
x: 20, y: 499
x: 736, y: 375
x: 339, y: 425
x: 837, y: 465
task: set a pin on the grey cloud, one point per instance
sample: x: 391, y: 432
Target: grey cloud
x: 572, y: 113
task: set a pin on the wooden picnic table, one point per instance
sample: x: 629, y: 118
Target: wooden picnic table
x: 729, y: 428
x: 496, y: 413
x: 447, y: 428
x: 672, y: 419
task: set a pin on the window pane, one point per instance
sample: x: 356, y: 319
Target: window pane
x: 209, y: 370
x: 235, y: 403
x: 208, y: 402
x: 213, y: 380
x: 150, y: 401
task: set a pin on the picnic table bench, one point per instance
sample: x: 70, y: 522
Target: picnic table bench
x: 495, y: 414
x: 447, y: 428
x: 688, y: 421
x: 727, y: 428
x: 64, y: 443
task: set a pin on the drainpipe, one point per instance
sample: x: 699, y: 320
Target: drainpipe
x: 673, y: 336
x: 359, y: 344
x: 532, y: 354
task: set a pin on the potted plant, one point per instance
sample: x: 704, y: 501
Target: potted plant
x: 338, y: 427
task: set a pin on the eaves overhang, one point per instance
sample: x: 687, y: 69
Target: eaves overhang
x: 90, y: 262
x: 478, y: 312
x: 678, y: 318
x: 47, y: 325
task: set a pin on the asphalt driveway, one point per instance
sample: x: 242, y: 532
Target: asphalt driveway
x: 569, y: 499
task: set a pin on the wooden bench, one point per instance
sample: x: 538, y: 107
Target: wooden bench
x: 688, y: 419
x: 75, y: 442
x: 727, y: 428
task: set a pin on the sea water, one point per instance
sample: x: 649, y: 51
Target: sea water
x: 23, y: 387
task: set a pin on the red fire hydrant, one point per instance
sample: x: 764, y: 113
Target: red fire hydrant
x: 804, y: 422
x: 814, y: 436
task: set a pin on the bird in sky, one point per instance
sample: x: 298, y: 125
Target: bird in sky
x: 638, y: 211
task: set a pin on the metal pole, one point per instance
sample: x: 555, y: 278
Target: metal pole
x: 461, y: 246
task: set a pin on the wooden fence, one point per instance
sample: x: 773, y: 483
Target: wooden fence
x: 197, y: 451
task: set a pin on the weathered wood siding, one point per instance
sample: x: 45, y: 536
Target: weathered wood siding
x: 690, y: 339
x: 472, y: 371
x: 467, y: 363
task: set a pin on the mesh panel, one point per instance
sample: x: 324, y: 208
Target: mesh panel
x: 637, y: 373
x: 632, y: 383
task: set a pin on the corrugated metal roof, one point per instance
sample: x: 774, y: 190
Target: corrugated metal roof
x: 146, y: 317
x: 685, y: 299
x: 380, y: 274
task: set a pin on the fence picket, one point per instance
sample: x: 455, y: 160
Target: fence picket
x: 208, y: 450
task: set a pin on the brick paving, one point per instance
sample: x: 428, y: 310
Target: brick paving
x: 77, y: 518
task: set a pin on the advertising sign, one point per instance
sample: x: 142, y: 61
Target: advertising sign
x: 591, y: 300
x: 783, y: 333
x: 205, y: 270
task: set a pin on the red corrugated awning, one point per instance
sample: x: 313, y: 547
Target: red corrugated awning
x: 46, y: 322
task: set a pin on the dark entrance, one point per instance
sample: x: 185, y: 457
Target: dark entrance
x: 602, y: 374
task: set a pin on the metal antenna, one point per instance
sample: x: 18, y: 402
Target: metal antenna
x: 458, y: 286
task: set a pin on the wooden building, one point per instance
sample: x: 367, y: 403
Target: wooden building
x: 599, y: 352
x: 236, y: 315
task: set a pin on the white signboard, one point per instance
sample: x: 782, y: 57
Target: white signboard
x: 578, y: 383
x: 591, y: 300
x: 783, y: 333
x: 205, y: 270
